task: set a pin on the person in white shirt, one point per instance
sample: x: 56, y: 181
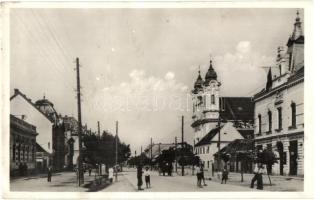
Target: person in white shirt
x: 110, y: 176
x: 147, y: 177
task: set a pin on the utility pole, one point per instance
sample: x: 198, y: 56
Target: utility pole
x: 175, y: 153
x: 98, y: 125
x: 182, y: 137
x: 80, y: 167
x: 218, y: 164
x: 151, y: 153
x: 117, y: 150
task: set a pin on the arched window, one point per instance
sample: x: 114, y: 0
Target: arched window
x: 293, y: 115
x: 269, y: 121
x: 259, y: 124
x: 213, y: 99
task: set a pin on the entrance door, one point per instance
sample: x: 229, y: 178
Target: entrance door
x: 281, y: 157
x: 293, y: 157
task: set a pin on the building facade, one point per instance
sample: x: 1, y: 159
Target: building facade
x: 279, y: 107
x: 213, y: 116
x: 22, y: 147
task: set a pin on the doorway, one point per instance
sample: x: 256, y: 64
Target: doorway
x: 281, y: 157
x: 293, y: 151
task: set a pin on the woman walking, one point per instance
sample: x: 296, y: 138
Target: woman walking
x: 224, y: 175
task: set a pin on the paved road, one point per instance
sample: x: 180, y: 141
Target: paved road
x: 127, y: 182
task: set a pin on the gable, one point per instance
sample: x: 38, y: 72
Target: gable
x: 228, y: 133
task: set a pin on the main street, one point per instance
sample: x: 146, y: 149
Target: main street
x: 127, y: 182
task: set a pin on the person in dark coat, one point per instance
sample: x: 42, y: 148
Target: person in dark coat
x: 224, y: 175
x: 260, y: 185
x: 202, y: 175
x: 49, y: 174
x: 139, y: 177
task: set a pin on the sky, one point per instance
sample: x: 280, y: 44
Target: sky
x: 138, y: 66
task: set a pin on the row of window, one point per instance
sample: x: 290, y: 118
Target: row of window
x: 279, y: 121
x: 23, y: 153
x: 201, y: 150
x: 212, y: 101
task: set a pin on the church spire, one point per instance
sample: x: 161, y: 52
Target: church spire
x: 211, y: 73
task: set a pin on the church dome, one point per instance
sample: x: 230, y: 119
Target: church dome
x: 211, y: 74
x: 199, y: 81
x: 45, y: 106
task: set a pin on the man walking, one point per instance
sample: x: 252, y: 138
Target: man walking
x: 202, y: 175
x: 198, y: 176
x: 139, y: 177
x: 49, y: 174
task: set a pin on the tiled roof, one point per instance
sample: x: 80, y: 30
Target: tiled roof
x: 246, y: 133
x: 207, y: 139
x: 237, y: 146
x: 18, y: 92
x: 237, y: 108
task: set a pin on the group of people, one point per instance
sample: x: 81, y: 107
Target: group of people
x: 140, y: 173
x: 200, y: 175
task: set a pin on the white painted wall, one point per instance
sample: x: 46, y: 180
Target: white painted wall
x: 19, y: 106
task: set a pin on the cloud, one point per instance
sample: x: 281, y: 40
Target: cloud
x: 244, y: 47
x: 141, y: 92
x: 169, y: 76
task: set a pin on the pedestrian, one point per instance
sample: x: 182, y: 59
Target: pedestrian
x: 147, y: 177
x: 260, y: 178
x: 25, y: 169
x: 89, y: 171
x: 49, y: 174
x: 139, y: 177
x: 255, y: 171
x: 110, y: 174
x: 224, y: 175
x: 198, y: 176
x: 202, y: 175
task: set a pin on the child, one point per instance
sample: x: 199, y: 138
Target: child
x: 224, y: 175
x: 147, y: 177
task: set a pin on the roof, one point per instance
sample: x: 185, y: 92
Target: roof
x: 211, y: 74
x: 207, y: 139
x: 246, y: 133
x: 40, y: 149
x: 237, y: 108
x: 18, y: 92
x: 237, y: 146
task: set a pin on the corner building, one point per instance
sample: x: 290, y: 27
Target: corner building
x: 279, y: 107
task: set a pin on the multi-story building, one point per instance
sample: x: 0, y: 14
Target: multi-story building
x: 218, y: 120
x: 22, y: 146
x: 279, y: 107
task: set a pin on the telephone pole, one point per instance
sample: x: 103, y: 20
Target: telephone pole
x: 80, y: 167
x: 98, y: 125
x: 151, y: 153
x: 182, y: 137
x: 117, y: 150
x: 175, y: 153
x: 219, y: 157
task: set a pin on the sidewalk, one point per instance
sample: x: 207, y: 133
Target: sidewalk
x: 60, y: 182
x: 279, y: 183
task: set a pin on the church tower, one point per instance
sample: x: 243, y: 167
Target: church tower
x: 211, y: 99
x: 205, y: 99
x: 295, y: 44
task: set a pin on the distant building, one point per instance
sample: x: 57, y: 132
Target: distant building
x: 279, y: 107
x: 22, y: 147
x: 232, y: 117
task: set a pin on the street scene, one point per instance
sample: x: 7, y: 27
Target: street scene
x: 156, y: 100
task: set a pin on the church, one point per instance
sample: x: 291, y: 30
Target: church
x: 218, y: 120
